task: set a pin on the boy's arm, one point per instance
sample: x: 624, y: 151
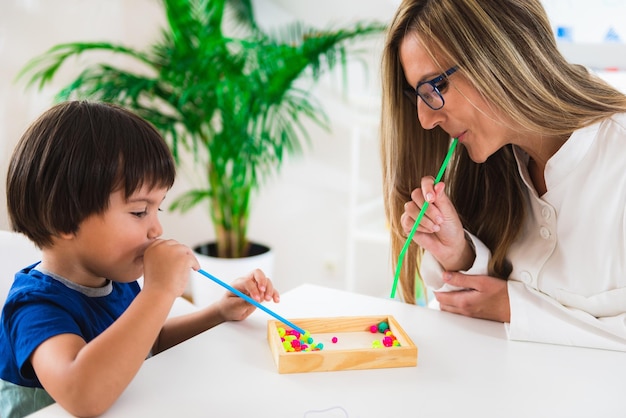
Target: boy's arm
x: 181, y: 328
x: 229, y: 307
x: 87, y: 378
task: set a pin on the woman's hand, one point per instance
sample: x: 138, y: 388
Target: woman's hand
x: 483, y: 297
x: 440, y: 231
x: 256, y: 285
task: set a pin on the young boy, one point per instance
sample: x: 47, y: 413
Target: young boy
x: 84, y: 184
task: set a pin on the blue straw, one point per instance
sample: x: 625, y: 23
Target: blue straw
x: 251, y: 301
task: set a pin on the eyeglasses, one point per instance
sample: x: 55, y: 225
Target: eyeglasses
x: 430, y: 91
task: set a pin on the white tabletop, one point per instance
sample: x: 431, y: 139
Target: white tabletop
x: 466, y: 367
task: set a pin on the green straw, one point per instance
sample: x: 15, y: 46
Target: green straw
x: 419, y: 218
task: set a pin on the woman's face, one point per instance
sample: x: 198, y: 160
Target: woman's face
x: 465, y: 115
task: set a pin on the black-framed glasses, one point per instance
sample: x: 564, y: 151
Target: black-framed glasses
x: 430, y: 91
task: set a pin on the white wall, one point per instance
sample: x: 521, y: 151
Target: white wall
x: 305, y: 212
x: 302, y: 212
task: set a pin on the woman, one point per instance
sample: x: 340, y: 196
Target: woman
x: 529, y: 225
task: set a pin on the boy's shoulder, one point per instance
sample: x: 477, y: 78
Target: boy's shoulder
x: 28, y: 280
x: 42, y: 305
x: 32, y: 285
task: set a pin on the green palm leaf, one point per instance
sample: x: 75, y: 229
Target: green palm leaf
x: 217, y: 86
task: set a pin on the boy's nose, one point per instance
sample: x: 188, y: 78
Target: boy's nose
x: 156, y: 230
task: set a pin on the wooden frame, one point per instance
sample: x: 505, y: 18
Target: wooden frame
x: 338, y: 358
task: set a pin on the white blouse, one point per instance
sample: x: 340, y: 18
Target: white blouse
x: 568, y: 284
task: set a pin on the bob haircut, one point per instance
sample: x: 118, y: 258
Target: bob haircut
x: 70, y: 160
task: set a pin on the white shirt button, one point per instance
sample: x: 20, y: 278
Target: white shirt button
x: 545, y: 232
x: 546, y: 213
x: 526, y: 277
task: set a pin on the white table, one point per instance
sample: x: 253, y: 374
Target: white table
x: 466, y: 367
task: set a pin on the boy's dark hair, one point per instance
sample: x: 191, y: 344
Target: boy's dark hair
x: 70, y: 160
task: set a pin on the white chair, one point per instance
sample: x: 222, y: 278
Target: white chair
x: 17, y: 252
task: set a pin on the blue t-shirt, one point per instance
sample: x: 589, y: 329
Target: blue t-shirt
x: 41, y: 305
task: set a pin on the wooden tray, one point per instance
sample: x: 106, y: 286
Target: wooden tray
x: 353, y: 350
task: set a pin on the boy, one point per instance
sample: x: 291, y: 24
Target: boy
x: 84, y: 184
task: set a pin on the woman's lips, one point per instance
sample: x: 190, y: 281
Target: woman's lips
x: 460, y: 136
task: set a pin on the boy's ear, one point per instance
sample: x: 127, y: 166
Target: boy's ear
x: 64, y: 236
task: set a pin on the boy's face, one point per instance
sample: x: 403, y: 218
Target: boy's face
x: 111, y: 245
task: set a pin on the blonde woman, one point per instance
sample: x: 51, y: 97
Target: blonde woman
x: 528, y: 226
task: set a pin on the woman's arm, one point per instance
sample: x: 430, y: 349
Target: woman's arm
x: 540, y: 318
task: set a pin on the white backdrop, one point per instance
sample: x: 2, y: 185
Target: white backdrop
x: 304, y: 212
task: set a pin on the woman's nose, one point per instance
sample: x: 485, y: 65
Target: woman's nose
x: 428, y: 117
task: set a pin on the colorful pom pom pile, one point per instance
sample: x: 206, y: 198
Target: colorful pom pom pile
x: 294, y: 341
x: 389, y: 340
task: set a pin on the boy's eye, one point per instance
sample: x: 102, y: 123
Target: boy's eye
x: 144, y: 213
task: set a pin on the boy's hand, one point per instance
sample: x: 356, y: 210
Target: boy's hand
x: 256, y: 285
x: 167, y: 266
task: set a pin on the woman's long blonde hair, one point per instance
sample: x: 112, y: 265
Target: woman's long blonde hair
x: 507, y: 51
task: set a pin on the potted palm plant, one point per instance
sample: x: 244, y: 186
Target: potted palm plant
x: 220, y: 89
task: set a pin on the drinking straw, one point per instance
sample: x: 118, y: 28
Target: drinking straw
x: 442, y: 169
x: 251, y: 301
